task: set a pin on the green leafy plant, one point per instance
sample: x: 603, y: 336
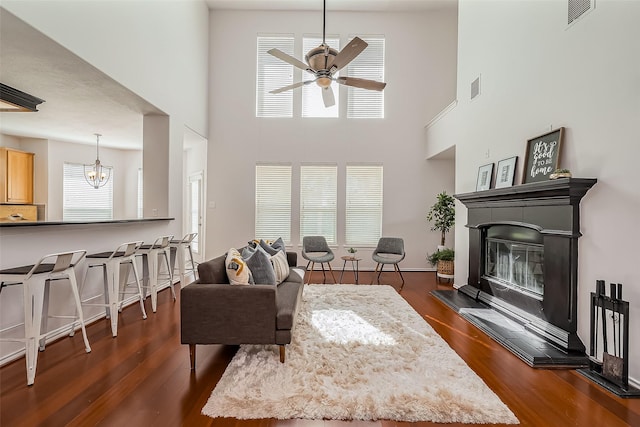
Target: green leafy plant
x: 562, y: 171
x: 441, y: 255
x: 442, y: 214
x: 352, y: 250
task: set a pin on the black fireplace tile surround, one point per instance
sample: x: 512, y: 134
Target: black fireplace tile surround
x: 548, y: 211
x: 528, y: 346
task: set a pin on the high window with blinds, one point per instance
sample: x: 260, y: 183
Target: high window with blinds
x: 83, y: 202
x: 312, y: 104
x: 364, y: 202
x: 318, y: 201
x: 273, y: 202
x: 273, y: 73
x: 362, y: 103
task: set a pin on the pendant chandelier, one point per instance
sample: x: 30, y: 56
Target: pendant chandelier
x: 96, y: 174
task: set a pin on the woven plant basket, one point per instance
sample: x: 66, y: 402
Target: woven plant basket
x: 445, y: 267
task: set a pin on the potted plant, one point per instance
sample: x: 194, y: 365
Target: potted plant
x: 444, y: 260
x: 443, y: 215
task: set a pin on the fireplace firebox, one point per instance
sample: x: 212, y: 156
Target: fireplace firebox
x: 523, y: 256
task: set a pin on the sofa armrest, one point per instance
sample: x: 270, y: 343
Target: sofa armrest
x: 292, y: 259
x: 227, y: 314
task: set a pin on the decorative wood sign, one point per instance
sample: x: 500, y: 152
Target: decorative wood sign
x: 542, y: 156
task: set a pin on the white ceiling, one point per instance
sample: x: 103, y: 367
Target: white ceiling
x: 82, y: 101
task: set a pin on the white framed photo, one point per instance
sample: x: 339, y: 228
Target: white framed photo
x: 506, y: 172
x: 485, y: 174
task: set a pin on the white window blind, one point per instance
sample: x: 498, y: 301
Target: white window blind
x: 369, y: 64
x: 273, y: 202
x: 363, y: 218
x: 83, y: 202
x: 312, y: 104
x: 273, y: 73
x: 318, y: 201
x: 140, y: 194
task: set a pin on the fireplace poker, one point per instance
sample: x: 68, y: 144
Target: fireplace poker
x: 619, y: 321
x: 601, y: 300
x: 614, y: 302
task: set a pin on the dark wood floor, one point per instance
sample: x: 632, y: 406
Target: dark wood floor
x: 142, y: 377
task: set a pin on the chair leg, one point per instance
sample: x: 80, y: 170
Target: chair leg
x: 373, y: 277
x: 166, y: 258
x: 331, y: 271
x: 310, y: 271
x: 137, y: 278
x: 324, y: 275
x: 282, y: 353
x: 380, y: 272
x: 79, y: 314
x: 397, y: 268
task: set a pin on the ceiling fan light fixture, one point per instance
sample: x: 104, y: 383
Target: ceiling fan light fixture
x: 324, y: 82
x: 14, y: 100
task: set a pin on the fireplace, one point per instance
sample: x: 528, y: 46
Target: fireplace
x: 523, y: 256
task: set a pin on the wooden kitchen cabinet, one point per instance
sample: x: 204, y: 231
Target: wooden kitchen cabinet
x: 16, y: 176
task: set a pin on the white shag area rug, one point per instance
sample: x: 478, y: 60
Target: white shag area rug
x: 358, y: 353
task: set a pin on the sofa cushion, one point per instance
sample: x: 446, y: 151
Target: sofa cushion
x: 273, y: 248
x: 259, y: 263
x: 280, y: 266
x: 237, y: 269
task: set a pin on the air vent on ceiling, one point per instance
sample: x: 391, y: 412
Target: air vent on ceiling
x: 475, y: 88
x: 577, y: 8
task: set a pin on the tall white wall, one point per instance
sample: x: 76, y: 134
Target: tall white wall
x: 420, y: 75
x: 156, y: 49
x: 535, y: 74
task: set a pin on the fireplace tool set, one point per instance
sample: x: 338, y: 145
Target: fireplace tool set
x: 610, y: 321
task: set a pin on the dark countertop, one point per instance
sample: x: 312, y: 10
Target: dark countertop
x: 113, y: 221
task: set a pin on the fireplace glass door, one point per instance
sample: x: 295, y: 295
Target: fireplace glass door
x: 517, y: 265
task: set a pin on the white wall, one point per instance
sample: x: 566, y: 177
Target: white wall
x: 420, y: 76
x: 537, y: 74
x: 159, y: 50
x: 156, y: 49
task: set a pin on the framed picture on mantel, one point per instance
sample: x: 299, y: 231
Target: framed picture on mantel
x: 505, y: 172
x: 485, y: 173
x: 542, y: 156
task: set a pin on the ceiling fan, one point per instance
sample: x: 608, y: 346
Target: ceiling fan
x: 323, y: 62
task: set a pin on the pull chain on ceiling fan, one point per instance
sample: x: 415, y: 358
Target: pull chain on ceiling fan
x: 323, y: 62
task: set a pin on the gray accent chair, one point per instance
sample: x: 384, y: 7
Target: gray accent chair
x: 390, y: 250
x: 316, y: 250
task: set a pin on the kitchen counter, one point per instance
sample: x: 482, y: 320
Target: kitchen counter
x: 23, y: 223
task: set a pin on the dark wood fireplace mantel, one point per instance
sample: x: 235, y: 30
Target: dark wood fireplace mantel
x: 550, y: 212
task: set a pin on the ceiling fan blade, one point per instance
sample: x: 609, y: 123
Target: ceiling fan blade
x: 346, y: 55
x: 291, y: 86
x: 328, y: 97
x: 361, y: 83
x: 290, y: 59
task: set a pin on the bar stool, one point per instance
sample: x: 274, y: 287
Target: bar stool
x: 179, y: 249
x: 114, y: 285
x: 150, y: 263
x: 36, y: 280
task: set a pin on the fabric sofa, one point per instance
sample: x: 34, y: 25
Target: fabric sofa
x: 214, y: 312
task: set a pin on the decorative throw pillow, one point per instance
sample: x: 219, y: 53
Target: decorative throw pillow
x: 259, y: 263
x: 272, y: 247
x: 280, y: 266
x: 237, y: 270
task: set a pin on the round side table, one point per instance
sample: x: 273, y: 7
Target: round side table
x: 354, y: 266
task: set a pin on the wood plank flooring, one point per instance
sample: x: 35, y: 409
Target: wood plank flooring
x: 142, y: 377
